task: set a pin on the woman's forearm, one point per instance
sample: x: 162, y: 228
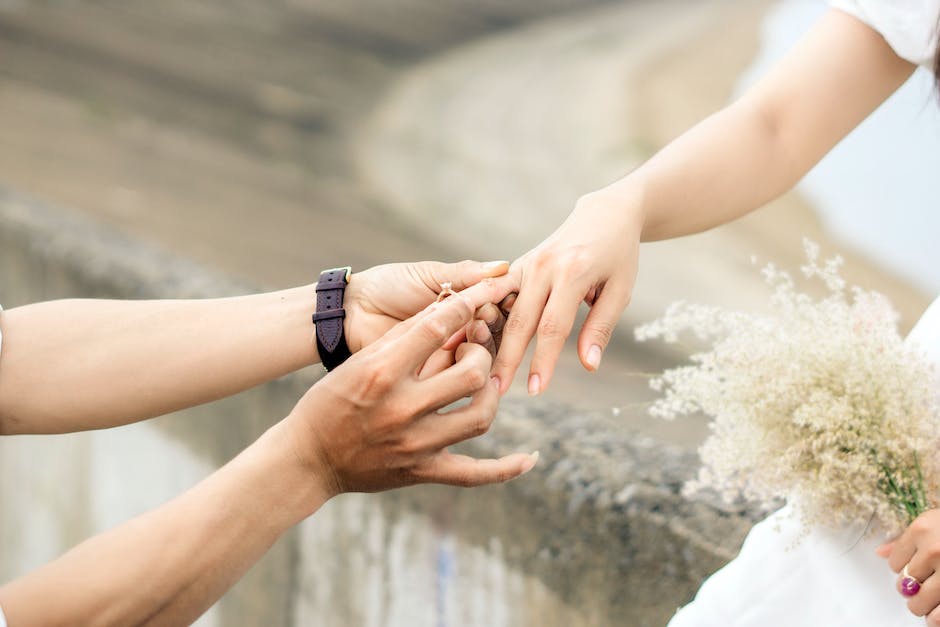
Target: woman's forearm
x: 168, y: 566
x: 759, y: 147
x: 84, y: 364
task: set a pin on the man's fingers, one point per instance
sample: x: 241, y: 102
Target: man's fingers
x: 518, y: 331
x: 438, y: 362
x: 553, y: 329
x: 599, y: 326
x: 430, y: 330
x: 436, y: 431
x: 470, y: 373
x: 461, y: 470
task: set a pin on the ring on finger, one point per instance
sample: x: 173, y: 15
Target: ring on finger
x: 909, y: 585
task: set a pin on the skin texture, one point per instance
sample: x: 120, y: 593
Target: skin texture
x: 726, y: 166
x: 918, y: 548
x: 190, y: 351
x: 374, y: 423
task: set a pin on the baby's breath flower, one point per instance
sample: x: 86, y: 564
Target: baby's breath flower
x: 820, y: 399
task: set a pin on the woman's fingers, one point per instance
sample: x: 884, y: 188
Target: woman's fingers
x: 933, y: 618
x: 461, y: 470
x: 904, y: 549
x: 926, y: 599
x: 885, y: 549
x: 519, y: 329
x: 599, y: 326
x: 553, y: 329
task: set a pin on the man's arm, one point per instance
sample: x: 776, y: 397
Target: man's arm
x: 169, y: 565
x: 371, y: 425
x: 87, y: 364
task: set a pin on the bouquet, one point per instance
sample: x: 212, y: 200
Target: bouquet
x: 819, y: 399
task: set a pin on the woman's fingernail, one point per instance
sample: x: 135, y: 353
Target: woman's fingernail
x: 534, y: 383
x: 594, y: 357
x: 492, y: 266
x: 530, y: 463
x: 496, y: 382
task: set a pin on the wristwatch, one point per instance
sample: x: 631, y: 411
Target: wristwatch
x: 329, y: 317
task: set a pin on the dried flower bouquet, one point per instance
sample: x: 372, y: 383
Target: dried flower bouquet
x: 818, y: 400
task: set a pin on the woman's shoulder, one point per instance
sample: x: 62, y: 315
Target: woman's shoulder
x: 909, y: 26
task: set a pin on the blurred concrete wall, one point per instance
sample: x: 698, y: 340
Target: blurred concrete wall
x: 596, y: 535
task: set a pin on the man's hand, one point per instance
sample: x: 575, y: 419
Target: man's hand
x: 375, y: 423
x: 379, y: 298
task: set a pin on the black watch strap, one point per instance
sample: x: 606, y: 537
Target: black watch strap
x: 329, y: 317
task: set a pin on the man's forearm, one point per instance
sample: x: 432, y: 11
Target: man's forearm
x: 85, y: 364
x: 168, y: 566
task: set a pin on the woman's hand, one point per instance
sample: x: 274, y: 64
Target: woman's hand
x: 379, y: 298
x: 592, y: 257
x: 375, y: 423
x: 918, y: 549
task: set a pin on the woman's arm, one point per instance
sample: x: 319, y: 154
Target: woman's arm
x: 726, y: 166
x: 86, y: 364
x: 371, y: 425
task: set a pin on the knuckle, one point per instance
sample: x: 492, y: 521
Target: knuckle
x: 920, y: 526
x: 515, y: 324
x: 377, y: 380
x: 480, y: 425
x: 465, y: 480
x: 544, y: 259
x: 550, y: 328
x: 601, y: 330
x: 503, y: 364
x: 434, y: 329
x: 407, y: 446
x: 474, y: 379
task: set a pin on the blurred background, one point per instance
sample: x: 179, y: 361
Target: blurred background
x: 268, y: 139
x: 272, y: 139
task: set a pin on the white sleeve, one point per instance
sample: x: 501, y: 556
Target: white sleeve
x: 3, y: 620
x: 909, y: 26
